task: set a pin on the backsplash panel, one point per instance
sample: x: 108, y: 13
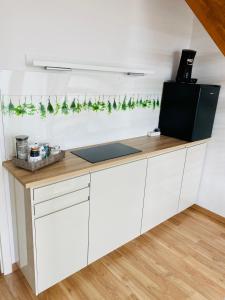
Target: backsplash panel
x: 45, y: 106
x: 87, y: 127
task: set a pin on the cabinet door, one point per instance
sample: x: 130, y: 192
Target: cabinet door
x: 116, y: 204
x: 192, y: 176
x: 61, y: 244
x: 163, y: 186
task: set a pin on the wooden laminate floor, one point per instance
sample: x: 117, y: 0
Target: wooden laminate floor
x: 183, y: 258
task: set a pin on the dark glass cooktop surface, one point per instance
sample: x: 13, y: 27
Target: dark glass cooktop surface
x: 104, y: 152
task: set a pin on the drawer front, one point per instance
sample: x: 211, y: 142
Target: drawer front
x: 59, y: 203
x: 61, y: 188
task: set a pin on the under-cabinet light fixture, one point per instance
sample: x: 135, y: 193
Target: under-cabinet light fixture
x: 135, y: 74
x: 51, y: 65
x: 57, y: 68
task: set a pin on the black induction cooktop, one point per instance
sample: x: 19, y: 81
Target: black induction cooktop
x: 104, y: 152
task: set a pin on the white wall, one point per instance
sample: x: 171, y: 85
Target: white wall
x: 210, y: 68
x: 136, y: 33
x: 119, y: 32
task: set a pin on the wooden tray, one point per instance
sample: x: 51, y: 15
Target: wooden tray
x: 33, y: 166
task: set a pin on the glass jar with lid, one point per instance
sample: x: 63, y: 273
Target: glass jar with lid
x: 22, y: 147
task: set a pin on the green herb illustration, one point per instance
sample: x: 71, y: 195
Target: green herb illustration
x: 109, y: 107
x: 21, y: 109
x: 57, y: 106
x: 144, y: 103
x: 65, y: 107
x: 42, y: 110
x: 149, y: 103
x: 119, y: 106
x: 3, y: 108
x: 124, y: 104
x: 89, y: 105
x: 133, y: 103
x: 137, y: 103
x: 154, y: 104
x: 84, y: 105
x: 30, y: 109
x: 95, y: 106
x: 114, y: 104
x: 102, y: 105
x: 73, y: 106
x: 50, y: 108
x: 129, y: 104
x: 11, y: 107
x: 79, y: 107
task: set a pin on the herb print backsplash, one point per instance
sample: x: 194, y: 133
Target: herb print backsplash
x: 55, y: 105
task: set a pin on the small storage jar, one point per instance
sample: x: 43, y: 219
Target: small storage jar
x: 22, y: 147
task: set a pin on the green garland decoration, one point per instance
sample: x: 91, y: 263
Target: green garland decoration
x: 55, y: 108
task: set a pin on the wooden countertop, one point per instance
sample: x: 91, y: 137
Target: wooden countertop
x: 73, y: 166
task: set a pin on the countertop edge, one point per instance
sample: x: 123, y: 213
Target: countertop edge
x: 106, y: 165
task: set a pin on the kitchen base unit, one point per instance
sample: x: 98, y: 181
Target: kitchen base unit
x: 192, y: 176
x: 163, y: 184
x: 62, y: 243
x: 115, y: 207
x: 52, y: 234
x: 172, y: 184
x: 64, y: 224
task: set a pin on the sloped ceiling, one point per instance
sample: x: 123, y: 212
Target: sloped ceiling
x: 211, y: 13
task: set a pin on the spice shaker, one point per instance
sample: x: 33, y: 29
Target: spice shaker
x: 22, y: 147
x: 35, y: 153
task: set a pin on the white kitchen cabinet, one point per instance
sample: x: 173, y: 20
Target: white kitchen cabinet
x: 192, y: 176
x: 116, y: 203
x: 61, y: 244
x: 61, y: 228
x: 163, y: 184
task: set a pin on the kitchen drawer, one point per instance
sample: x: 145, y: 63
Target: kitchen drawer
x: 61, y: 188
x: 59, y: 203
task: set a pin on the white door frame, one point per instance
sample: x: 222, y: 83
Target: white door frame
x: 5, y: 246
